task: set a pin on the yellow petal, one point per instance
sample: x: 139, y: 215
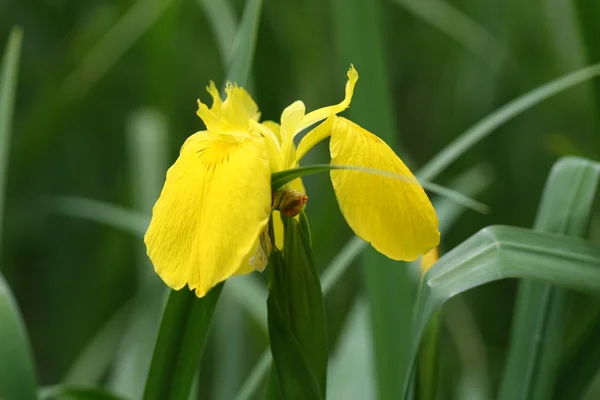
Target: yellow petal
x: 322, y: 113
x: 313, y: 137
x: 215, y: 202
x: 273, y: 146
x: 291, y: 119
x: 231, y: 116
x: 428, y: 260
x: 395, y: 216
x: 273, y: 127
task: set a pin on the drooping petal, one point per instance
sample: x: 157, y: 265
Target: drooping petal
x: 215, y: 202
x: 394, y: 215
x: 320, y: 114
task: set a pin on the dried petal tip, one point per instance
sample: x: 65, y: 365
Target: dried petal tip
x: 289, y: 201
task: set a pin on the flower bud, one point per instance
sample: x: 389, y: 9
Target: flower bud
x: 289, y: 201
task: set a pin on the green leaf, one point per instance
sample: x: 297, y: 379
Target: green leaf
x: 351, y: 370
x: 541, y: 309
x: 500, y: 252
x: 457, y: 25
x: 278, y: 179
x: 429, y: 359
x: 223, y: 23
x: 256, y: 377
x: 296, y: 315
x: 8, y: 88
x: 587, y: 19
x: 579, y: 367
x: 17, y: 377
x: 94, y: 360
x: 147, y: 137
x: 181, y: 339
x: 487, y: 125
x: 472, y: 182
x: 70, y: 392
x: 245, y: 44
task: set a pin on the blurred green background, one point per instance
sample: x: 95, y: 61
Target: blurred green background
x: 107, y: 94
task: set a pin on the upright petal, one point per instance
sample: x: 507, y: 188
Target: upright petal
x: 214, y: 204
x: 394, y: 215
x: 291, y: 119
x: 318, y: 133
x: 320, y: 114
x: 231, y: 116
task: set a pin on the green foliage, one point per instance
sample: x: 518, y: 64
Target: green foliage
x: 541, y: 311
x: 106, y: 97
x: 500, y: 252
x: 17, y: 378
x: 180, y: 343
x: 297, y: 327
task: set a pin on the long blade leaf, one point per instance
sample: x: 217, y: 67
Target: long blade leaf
x: 279, y: 179
x: 541, y: 309
x: 8, y: 88
x: 500, y: 252
x: 17, y: 377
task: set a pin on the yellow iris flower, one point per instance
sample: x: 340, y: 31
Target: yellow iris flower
x: 216, y: 201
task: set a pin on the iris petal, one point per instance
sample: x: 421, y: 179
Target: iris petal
x: 215, y: 202
x: 395, y: 216
x: 322, y: 113
x: 318, y: 133
x: 231, y: 116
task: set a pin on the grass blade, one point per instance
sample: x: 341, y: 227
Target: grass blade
x: 111, y: 47
x: 279, y: 179
x: 221, y: 18
x: 94, y: 360
x: 579, y: 368
x: 8, y: 88
x: 460, y: 27
x: 587, y: 17
x: 147, y: 139
x: 502, y: 115
x: 17, y: 377
x: 351, y: 372
x: 76, y: 393
x: 541, y: 309
x: 245, y: 44
x: 500, y: 252
x: 180, y: 343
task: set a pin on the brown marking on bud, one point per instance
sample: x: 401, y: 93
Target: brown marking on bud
x: 289, y: 201
x: 295, y: 206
